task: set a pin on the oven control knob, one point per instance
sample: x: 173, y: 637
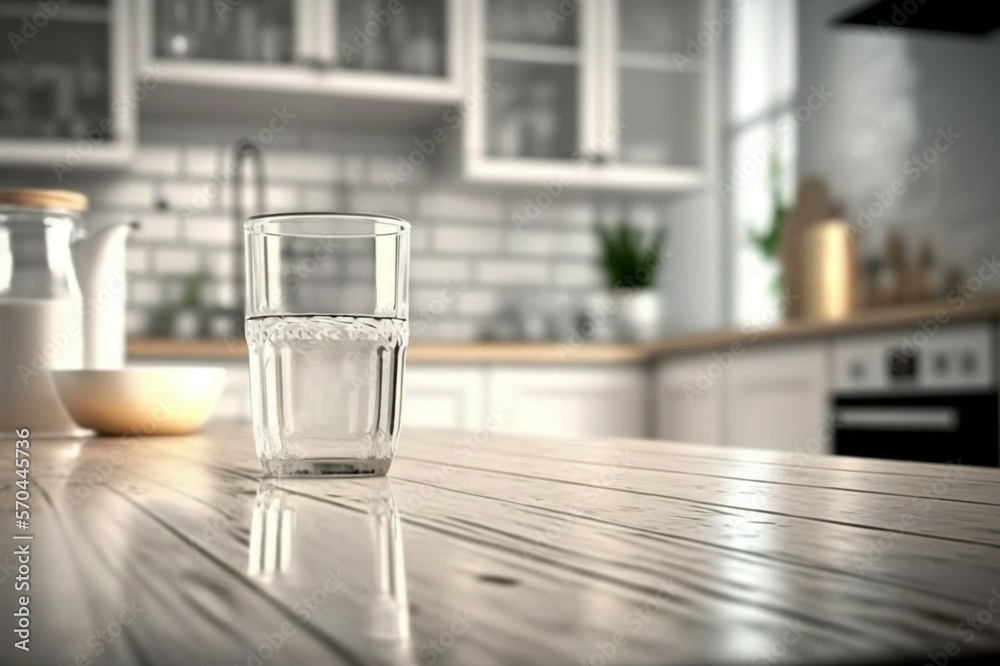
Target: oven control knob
x: 941, y: 364
x: 857, y: 370
x: 969, y: 363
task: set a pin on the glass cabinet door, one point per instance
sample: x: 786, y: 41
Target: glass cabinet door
x: 252, y: 31
x: 408, y: 37
x: 533, y: 52
x: 55, y: 79
x: 660, y: 82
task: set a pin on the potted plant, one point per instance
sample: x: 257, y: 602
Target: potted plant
x: 768, y: 242
x: 189, y: 312
x: 631, y: 265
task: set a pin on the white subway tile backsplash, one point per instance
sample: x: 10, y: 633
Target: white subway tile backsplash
x: 354, y: 170
x: 221, y: 264
x: 512, y: 272
x: 397, y: 172
x: 144, y: 292
x: 176, y: 261
x: 126, y: 193
x: 157, y: 227
x: 420, y: 236
x: 210, y: 230
x: 430, y: 270
x: 462, y: 235
x: 469, y: 239
x: 302, y: 167
x: 477, y: 301
x: 578, y: 274
x: 277, y: 199
x: 193, y: 197
x: 201, y: 161
x: 319, y: 198
x: 136, y: 260
x: 454, y: 205
x: 382, y: 201
x: 157, y: 160
x: 135, y: 322
x: 221, y: 293
x: 446, y: 329
x: 545, y: 242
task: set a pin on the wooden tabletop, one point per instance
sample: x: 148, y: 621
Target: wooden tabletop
x: 487, y: 549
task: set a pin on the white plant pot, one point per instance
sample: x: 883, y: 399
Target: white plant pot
x: 187, y: 324
x: 639, y: 314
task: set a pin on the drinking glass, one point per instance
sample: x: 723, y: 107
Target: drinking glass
x: 327, y: 330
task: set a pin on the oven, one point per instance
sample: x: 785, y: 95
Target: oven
x: 928, y: 395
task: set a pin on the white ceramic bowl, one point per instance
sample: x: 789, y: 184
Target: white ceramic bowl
x: 167, y: 400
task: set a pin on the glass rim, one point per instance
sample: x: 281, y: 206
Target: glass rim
x: 256, y: 224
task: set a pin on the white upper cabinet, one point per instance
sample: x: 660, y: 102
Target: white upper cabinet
x: 404, y: 50
x: 67, y: 99
x: 590, y: 94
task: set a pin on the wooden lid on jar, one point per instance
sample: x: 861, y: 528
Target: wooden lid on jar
x: 46, y: 199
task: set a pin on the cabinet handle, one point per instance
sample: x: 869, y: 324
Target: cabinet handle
x: 896, y: 418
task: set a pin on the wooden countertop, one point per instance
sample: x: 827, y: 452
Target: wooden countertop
x: 985, y: 306
x: 489, y: 549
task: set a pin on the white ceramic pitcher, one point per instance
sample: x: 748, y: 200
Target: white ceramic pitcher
x: 62, y: 304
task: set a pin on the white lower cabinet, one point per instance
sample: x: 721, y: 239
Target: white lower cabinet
x: 690, y: 400
x: 444, y: 397
x: 777, y: 398
x: 770, y: 397
x: 582, y: 401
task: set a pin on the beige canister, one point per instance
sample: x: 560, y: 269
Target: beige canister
x: 829, y: 271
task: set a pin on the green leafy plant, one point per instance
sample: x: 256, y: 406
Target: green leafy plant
x: 768, y: 242
x: 191, y: 295
x: 627, y: 259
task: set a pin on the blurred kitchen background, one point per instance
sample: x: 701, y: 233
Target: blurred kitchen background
x: 701, y: 220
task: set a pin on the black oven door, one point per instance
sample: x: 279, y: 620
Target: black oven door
x: 958, y: 428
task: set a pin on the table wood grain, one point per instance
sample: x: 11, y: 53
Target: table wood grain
x: 481, y: 548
